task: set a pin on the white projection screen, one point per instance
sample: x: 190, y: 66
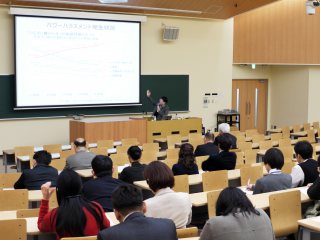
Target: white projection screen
x: 63, y: 62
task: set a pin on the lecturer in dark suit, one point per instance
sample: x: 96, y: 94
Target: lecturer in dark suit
x: 161, y: 110
x: 32, y: 179
x: 101, y: 188
x: 208, y: 148
x: 225, y: 160
x: 129, y: 209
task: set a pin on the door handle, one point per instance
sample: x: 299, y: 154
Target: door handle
x: 246, y: 108
x: 249, y: 108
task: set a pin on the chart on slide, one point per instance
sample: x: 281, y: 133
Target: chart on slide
x: 76, y: 62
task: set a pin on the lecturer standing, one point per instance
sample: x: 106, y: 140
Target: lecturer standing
x: 161, y: 110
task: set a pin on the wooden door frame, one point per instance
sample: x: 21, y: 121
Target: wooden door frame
x: 267, y: 94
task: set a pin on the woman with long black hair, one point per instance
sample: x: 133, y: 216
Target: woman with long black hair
x: 186, y: 162
x: 75, y: 216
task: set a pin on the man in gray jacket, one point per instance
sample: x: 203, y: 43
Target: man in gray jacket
x: 82, y: 159
x: 161, y: 109
x: 275, y: 180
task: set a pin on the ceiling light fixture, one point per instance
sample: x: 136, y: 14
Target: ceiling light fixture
x: 116, y: 6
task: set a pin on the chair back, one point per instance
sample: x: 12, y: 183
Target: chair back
x: 200, y: 160
x: 250, y: 156
x: 7, y: 180
x: 173, y: 153
x: 67, y: 153
x: 58, y: 164
x: 244, y: 146
x: 53, y: 148
x: 173, y: 139
x: 24, y: 151
x: 250, y: 172
x: 240, y: 159
x: 276, y: 136
x: 105, y: 143
x: 251, y: 132
x: 286, y: 132
x: 284, y: 142
x: 130, y: 141
x: 13, y: 229
x: 287, y: 152
x: 27, y: 213
x: 100, y: 151
x: 316, y: 125
x: 258, y: 138
x: 195, y: 137
x: 150, y: 147
x: 187, y: 232
x: 149, y: 156
x: 311, y: 136
x: 13, y: 199
x: 285, y: 211
x: 287, y: 167
x: 265, y: 145
x: 181, y: 183
x: 123, y: 148
x: 296, y: 128
x: 120, y: 159
x: 115, y: 173
x: 306, y: 126
x: 214, y: 180
x: 212, y: 198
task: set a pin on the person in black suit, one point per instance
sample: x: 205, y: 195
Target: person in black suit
x: 225, y: 160
x: 135, y: 171
x: 314, y: 189
x: 224, y: 128
x: 208, y: 148
x: 32, y: 179
x: 129, y: 209
x: 101, y: 188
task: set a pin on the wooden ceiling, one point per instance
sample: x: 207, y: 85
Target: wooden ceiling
x: 211, y: 9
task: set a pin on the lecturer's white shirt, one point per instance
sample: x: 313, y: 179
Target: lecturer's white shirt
x: 166, y: 203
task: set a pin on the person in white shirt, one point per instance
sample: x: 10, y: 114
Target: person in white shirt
x: 306, y: 170
x: 166, y: 203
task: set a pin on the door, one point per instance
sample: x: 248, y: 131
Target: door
x: 249, y: 98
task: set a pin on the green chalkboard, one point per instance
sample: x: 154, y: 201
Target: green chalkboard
x: 175, y: 87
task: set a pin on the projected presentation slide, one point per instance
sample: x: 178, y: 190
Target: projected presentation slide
x: 69, y: 62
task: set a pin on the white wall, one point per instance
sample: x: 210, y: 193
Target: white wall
x: 204, y: 51
x: 314, y: 94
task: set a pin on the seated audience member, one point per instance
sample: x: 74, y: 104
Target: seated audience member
x: 166, y: 203
x: 208, y: 148
x: 187, y: 161
x: 236, y: 218
x: 75, y: 216
x: 314, y: 189
x: 224, y: 128
x: 82, y: 158
x: 129, y: 210
x: 225, y: 160
x: 100, y: 188
x: 306, y: 171
x: 275, y: 180
x: 32, y: 179
x: 135, y: 171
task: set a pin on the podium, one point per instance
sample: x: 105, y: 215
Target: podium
x: 94, y: 130
x: 140, y: 128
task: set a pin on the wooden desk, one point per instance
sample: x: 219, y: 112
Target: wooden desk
x: 258, y: 200
x: 164, y: 140
x: 307, y: 226
x: 32, y: 226
x: 301, y: 134
x: 94, y: 130
x: 159, y: 130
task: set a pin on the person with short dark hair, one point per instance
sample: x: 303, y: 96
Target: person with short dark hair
x: 75, y: 216
x: 42, y: 172
x: 187, y: 161
x: 314, y: 189
x: 129, y: 209
x: 82, y: 158
x: 208, y: 148
x: 275, y: 180
x: 224, y: 128
x: 307, y: 169
x: 161, y: 108
x: 225, y: 160
x: 100, y: 188
x: 135, y: 171
x: 166, y: 203
x: 236, y: 218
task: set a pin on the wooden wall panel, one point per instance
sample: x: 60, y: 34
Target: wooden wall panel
x: 279, y: 33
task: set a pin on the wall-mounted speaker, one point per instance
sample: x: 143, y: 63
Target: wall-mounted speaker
x: 170, y: 33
